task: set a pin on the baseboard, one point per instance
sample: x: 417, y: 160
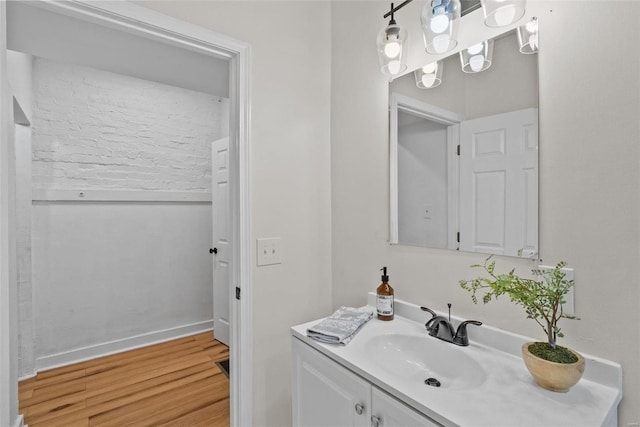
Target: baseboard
x: 28, y: 376
x: 117, y: 346
x: 19, y: 422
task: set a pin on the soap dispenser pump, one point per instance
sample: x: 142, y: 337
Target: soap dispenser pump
x: 384, y: 298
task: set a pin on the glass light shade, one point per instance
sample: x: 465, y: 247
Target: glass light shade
x: 440, y: 19
x: 429, y: 76
x: 477, y: 58
x: 528, y: 37
x: 500, y: 13
x: 391, y: 43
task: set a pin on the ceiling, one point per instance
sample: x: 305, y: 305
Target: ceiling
x: 46, y: 34
x: 469, y: 6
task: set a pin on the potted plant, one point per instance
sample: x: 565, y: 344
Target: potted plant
x: 553, y: 367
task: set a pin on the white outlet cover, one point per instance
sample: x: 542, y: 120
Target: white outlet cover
x: 268, y: 251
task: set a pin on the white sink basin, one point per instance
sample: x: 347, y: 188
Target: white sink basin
x: 420, y: 357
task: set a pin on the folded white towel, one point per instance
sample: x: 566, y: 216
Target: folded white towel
x: 341, y: 326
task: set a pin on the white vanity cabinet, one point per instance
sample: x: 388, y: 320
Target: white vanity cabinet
x: 388, y: 411
x: 378, y: 379
x: 326, y: 393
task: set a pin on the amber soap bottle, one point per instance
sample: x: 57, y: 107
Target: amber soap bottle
x: 384, y: 298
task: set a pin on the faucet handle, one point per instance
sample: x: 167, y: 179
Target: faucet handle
x: 471, y: 322
x: 461, y: 337
x: 433, y: 313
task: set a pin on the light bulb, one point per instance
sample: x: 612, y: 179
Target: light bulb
x: 441, y: 43
x: 533, y: 41
x: 428, y: 79
x: 439, y: 21
x: 394, y: 67
x: 392, y: 49
x: 476, y: 62
x: 505, y: 15
x: 476, y: 48
x: 430, y: 68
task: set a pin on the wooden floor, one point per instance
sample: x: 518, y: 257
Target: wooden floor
x: 176, y: 383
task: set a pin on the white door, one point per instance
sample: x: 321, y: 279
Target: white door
x: 390, y: 412
x: 221, y: 238
x: 499, y: 183
x: 325, y: 393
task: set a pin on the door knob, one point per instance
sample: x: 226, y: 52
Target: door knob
x: 359, y: 408
x: 213, y: 251
x: 375, y: 421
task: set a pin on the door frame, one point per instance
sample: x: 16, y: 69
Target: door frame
x: 399, y: 102
x: 145, y: 22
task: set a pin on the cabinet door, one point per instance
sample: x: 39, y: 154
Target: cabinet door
x: 325, y: 393
x: 390, y: 412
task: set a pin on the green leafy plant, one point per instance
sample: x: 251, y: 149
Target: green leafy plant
x: 542, y: 297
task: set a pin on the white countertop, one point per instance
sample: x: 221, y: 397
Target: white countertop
x: 507, y: 397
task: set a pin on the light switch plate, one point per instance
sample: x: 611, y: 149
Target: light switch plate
x: 268, y: 251
x: 568, y: 307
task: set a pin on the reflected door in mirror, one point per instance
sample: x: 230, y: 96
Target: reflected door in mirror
x: 499, y: 184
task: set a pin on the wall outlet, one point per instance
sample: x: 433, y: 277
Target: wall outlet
x: 268, y: 251
x: 568, y: 307
x: 427, y: 211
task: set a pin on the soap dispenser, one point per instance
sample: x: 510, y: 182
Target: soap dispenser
x: 384, y: 298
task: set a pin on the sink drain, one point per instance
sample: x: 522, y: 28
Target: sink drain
x: 433, y: 382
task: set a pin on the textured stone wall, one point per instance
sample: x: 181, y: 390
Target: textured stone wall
x: 98, y: 130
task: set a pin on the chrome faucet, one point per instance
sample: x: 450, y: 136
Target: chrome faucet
x: 441, y: 328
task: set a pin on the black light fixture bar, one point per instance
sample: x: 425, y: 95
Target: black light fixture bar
x: 395, y: 9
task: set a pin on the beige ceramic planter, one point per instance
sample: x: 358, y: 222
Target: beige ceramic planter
x: 559, y: 377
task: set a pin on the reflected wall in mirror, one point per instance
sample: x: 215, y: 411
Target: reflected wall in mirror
x: 464, y: 157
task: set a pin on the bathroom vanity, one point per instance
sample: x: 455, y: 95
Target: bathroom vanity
x: 380, y: 379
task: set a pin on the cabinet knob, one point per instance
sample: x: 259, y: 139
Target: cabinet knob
x: 375, y: 421
x: 359, y: 408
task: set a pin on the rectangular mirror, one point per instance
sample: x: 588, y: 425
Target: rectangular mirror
x: 464, y: 156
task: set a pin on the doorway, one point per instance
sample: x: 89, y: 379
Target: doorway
x: 137, y: 19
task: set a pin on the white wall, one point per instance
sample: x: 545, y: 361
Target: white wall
x: 130, y: 258
x: 8, y: 261
x: 589, y: 185
x: 290, y: 164
x: 19, y: 70
x: 422, y: 180
x: 20, y: 67
x: 26, y: 355
x: 106, y: 271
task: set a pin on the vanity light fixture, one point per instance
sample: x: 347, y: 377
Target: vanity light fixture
x: 440, y: 20
x: 528, y: 37
x: 429, y: 76
x: 391, y: 42
x: 478, y: 57
x: 500, y: 13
